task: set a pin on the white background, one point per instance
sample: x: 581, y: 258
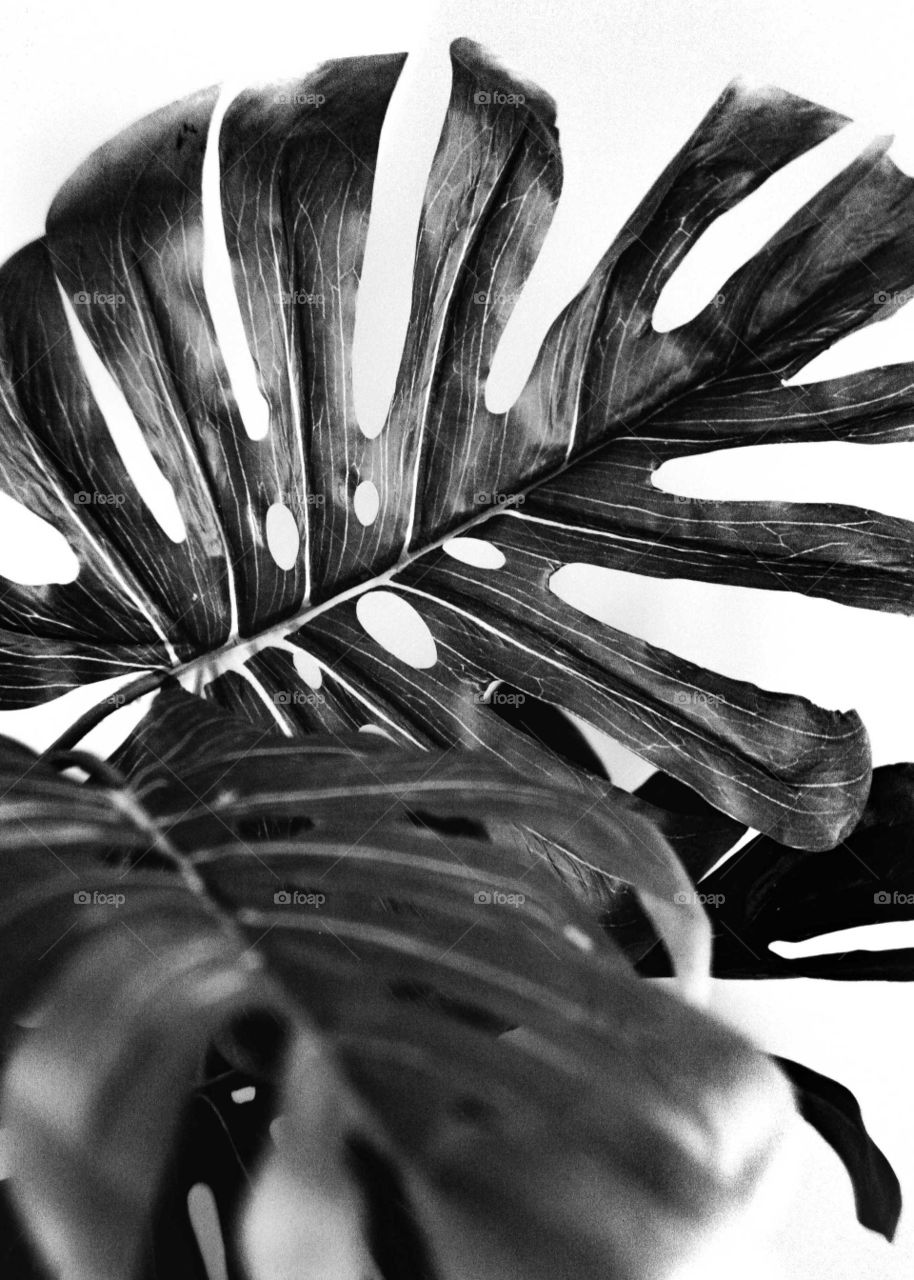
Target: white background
x: 632, y: 80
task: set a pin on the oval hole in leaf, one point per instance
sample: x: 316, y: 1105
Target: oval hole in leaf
x: 397, y: 627
x: 409, y: 138
x: 377, y: 731
x: 219, y: 287
x: 739, y: 233
x: 204, y: 1217
x: 126, y: 434
x: 32, y: 551
x: 365, y: 502
x: 308, y: 668
x: 474, y: 551
x: 247, y: 1094
x: 282, y: 535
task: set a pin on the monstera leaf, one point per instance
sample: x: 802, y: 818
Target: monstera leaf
x: 835, y: 1113
x: 393, y: 938
x: 767, y: 893
x: 194, y: 300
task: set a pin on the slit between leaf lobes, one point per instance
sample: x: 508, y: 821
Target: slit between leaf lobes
x: 219, y: 287
x: 126, y: 436
x: 738, y: 234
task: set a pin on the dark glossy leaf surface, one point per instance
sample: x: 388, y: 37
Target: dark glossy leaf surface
x: 767, y: 893
x: 283, y: 175
x: 366, y: 930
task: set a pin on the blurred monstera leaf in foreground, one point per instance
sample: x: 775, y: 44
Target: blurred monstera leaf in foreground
x: 374, y: 902
x: 194, y: 299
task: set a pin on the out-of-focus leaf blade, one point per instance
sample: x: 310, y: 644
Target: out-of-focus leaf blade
x: 221, y: 765
x: 361, y: 924
x: 95, y: 1094
x: 834, y: 1111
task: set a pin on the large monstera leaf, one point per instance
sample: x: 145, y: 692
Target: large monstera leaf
x: 280, y: 521
x: 398, y: 937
